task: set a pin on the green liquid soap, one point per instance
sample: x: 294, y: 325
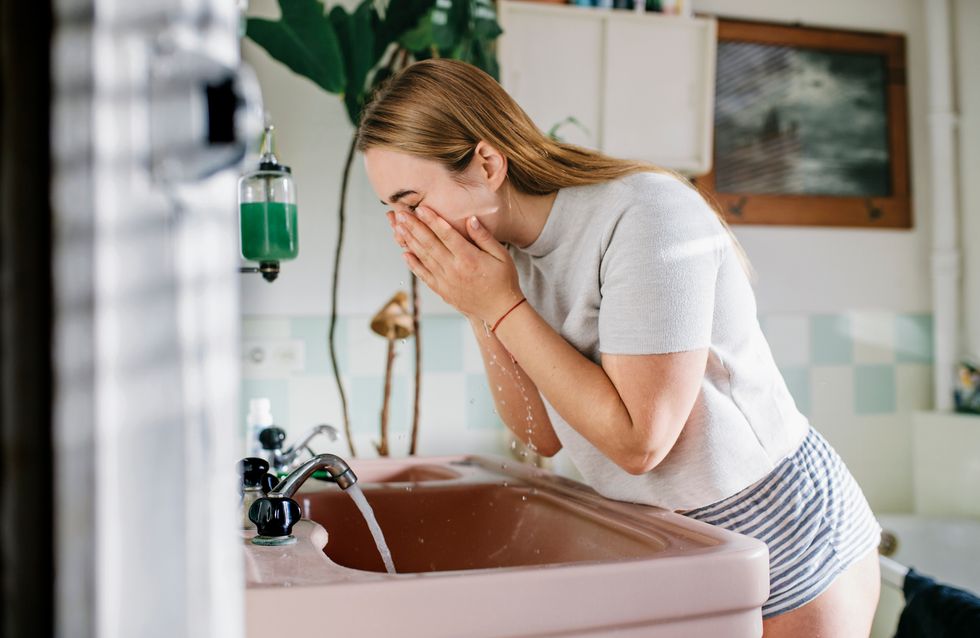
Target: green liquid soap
x: 269, y: 231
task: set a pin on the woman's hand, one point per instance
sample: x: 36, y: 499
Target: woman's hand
x: 478, y: 279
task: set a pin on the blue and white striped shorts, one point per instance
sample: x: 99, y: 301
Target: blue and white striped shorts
x: 811, y: 514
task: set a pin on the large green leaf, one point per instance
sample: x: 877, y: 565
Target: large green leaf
x: 304, y: 40
x: 356, y: 38
x: 400, y: 16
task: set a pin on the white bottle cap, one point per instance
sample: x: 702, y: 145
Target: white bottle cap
x: 260, y: 411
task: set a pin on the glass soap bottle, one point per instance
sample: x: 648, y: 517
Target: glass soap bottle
x: 267, y: 207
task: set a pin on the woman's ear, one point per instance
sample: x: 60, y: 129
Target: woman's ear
x: 492, y: 164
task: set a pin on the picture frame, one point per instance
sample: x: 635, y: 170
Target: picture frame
x: 811, y: 127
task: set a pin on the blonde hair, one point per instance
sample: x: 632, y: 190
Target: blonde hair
x: 439, y: 109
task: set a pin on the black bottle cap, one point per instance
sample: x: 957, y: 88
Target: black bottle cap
x: 272, y: 438
x: 253, y: 471
x: 274, y: 517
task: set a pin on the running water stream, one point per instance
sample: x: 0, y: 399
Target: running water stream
x: 354, y: 491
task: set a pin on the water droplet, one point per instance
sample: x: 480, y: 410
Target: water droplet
x: 513, y: 445
x: 421, y: 540
x: 503, y: 466
x: 403, y: 341
x: 524, y: 498
x: 500, y: 388
x: 502, y: 402
x: 537, y: 551
x: 505, y: 483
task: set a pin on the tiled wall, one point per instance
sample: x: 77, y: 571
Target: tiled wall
x: 857, y: 376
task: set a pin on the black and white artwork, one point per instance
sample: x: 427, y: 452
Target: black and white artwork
x: 800, y: 121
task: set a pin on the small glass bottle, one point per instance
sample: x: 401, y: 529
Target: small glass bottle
x: 267, y: 206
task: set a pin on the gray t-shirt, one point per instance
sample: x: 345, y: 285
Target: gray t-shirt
x: 642, y: 265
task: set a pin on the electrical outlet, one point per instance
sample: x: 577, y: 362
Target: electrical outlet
x: 264, y: 358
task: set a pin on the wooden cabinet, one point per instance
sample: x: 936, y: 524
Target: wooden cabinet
x: 642, y: 86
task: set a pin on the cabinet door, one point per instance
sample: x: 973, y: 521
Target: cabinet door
x: 659, y: 90
x: 551, y: 63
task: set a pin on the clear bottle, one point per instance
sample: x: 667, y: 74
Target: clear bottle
x: 267, y: 208
x: 259, y: 418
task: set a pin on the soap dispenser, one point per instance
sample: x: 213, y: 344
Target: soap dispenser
x: 267, y: 209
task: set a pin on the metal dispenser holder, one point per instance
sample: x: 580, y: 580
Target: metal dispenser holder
x: 267, y: 213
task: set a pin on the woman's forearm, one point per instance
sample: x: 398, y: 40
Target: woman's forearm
x: 578, y: 389
x: 516, y: 396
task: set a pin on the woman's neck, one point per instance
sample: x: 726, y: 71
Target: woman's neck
x: 525, y: 218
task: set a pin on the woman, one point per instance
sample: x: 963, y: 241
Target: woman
x: 616, y: 320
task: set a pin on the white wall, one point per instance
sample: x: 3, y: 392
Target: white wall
x: 871, y: 269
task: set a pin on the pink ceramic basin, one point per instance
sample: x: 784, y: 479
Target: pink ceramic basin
x: 489, y: 548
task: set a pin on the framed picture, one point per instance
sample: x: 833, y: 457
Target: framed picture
x: 810, y: 127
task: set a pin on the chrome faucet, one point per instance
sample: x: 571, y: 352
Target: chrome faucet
x: 272, y: 440
x: 275, y: 514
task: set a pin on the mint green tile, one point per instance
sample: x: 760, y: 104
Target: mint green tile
x: 365, y: 395
x: 276, y: 390
x: 830, y: 340
x: 874, y: 389
x: 913, y: 338
x: 480, y: 409
x: 797, y: 380
x: 442, y: 344
x: 314, y: 332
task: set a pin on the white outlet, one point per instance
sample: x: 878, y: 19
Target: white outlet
x: 265, y: 358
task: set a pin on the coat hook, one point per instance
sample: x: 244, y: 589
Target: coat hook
x: 736, y: 208
x: 873, y: 211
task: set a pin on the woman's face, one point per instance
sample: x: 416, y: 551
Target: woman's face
x: 404, y: 181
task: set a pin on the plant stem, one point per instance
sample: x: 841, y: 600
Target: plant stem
x: 389, y: 366
x: 418, y: 363
x: 333, y: 293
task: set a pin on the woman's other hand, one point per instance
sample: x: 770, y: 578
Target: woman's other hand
x: 478, y: 279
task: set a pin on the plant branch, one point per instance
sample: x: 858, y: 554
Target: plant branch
x: 333, y: 293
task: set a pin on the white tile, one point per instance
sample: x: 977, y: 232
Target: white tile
x: 913, y: 386
x: 262, y: 327
x: 873, y: 334
x: 367, y: 352
x: 472, y: 359
x: 878, y: 451
x: 831, y: 391
x: 313, y: 400
x: 443, y: 401
x: 789, y: 338
x: 947, y: 464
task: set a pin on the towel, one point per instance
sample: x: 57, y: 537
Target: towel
x: 937, y: 611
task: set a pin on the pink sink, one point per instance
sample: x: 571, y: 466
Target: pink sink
x: 484, y: 547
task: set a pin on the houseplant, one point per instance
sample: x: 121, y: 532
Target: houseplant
x: 350, y: 54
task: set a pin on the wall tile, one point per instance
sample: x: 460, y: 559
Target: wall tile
x: 789, y: 338
x: 314, y: 331
x: 873, y: 334
x: 366, y: 394
x: 442, y: 344
x: 830, y: 340
x: 913, y: 386
x: 831, y: 392
x: 913, y: 338
x: 265, y: 327
x: 480, y: 409
x: 874, y: 389
x: 797, y: 380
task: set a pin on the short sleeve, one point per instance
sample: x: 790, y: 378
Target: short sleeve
x: 659, y: 272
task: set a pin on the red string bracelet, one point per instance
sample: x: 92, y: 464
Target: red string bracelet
x: 494, y: 329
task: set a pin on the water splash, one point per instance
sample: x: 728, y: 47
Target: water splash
x: 354, y: 491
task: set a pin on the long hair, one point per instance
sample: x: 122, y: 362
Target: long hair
x: 439, y: 109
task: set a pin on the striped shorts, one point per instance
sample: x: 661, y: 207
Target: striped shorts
x: 811, y: 514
